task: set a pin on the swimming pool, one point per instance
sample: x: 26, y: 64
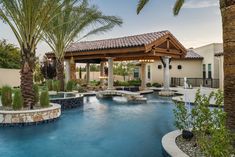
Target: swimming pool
x: 99, y: 128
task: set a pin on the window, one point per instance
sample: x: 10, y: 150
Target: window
x: 204, y: 70
x: 179, y: 67
x: 170, y: 66
x: 149, y: 73
x: 136, y: 73
x: 209, y: 71
x: 159, y: 66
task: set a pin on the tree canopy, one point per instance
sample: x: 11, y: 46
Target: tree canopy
x: 9, y: 55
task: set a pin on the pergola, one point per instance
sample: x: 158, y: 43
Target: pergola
x: 144, y: 48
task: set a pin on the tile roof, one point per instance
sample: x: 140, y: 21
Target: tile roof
x: 123, y: 42
x: 191, y: 54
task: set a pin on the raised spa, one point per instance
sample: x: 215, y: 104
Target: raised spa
x: 67, y: 100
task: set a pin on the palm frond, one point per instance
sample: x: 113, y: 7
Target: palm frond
x: 27, y: 18
x: 76, y: 20
x: 178, y: 5
x: 141, y: 5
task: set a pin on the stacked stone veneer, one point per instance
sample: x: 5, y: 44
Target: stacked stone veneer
x: 30, y: 117
x: 68, y: 103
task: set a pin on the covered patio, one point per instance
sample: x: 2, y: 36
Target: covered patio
x: 144, y: 48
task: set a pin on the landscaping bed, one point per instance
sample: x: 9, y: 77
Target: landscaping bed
x: 189, y: 147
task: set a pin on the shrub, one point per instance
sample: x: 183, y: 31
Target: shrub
x: 36, y: 93
x: 6, y: 96
x: 70, y: 85
x: 218, y: 144
x: 209, y: 125
x: 201, y: 114
x: 44, y: 99
x: 81, y: 89
x: 134, y: 82
x: 182, y: 117
x: 95, y: 83
x: 148, y: 84
x: 17, y: 100
x: 49, y: 84
x: 0, y: 91
x: 56, y: 85
x: 156, y: 84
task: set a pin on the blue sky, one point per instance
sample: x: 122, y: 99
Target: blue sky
x: 198, y: 23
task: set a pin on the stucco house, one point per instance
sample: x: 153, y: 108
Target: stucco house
x: 202, y: 66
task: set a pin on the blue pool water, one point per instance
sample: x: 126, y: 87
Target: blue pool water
x: 101, y: 128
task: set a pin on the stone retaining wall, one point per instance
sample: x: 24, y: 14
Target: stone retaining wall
x: 30, y: 117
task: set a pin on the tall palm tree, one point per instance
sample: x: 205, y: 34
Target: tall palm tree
x: 27, y: 19
x: 227, y: 8
x: 75, y: 20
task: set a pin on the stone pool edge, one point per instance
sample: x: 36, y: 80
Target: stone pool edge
x: 169, y: 145
x: 30, y: 117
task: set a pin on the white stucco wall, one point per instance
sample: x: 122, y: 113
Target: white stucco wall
x: 9, y: 77
x: 208, y: 52
x: 190, y: 69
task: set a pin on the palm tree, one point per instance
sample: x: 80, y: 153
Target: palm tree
x: 75, y: 20
x: 27, y: 19
x: 227, y: 8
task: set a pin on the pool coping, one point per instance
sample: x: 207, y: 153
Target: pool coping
x: 169, y: 145
x: 53, y: 106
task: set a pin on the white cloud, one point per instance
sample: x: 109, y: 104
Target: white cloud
x: 201, y: 3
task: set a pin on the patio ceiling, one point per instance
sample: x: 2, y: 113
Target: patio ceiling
x: 144, y: 46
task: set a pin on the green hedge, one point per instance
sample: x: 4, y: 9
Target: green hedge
x: 6, y: 96
x: 148, y: 84
x: 44, y: 99
x: 70, y: 86
x: 156, y: 84
x: 128, y: 83
x: 56, y: 85
x: 17, y: 100
x: 49, y: 84
x: 36, y: 92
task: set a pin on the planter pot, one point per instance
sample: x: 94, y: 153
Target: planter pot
x: 188, y: 135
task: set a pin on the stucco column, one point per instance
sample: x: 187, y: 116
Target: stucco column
x: 73, y: 71
x: 87, y: 73
x: 143, y: 76
x: 110, y: 73
x: 67, y: 70
x: 166, y: 73
x: 101, y: 73
x: 221, y: 72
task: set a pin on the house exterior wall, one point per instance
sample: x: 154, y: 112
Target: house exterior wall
x: 190, y: 69
x: 208, y: 52
x: 10, y: 77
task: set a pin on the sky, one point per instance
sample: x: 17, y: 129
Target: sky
x: 198, y: 23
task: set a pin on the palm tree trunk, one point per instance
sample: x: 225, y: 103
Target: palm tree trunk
x: 60, y: 72
x: 27, y: 81
x: 228, y: 17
